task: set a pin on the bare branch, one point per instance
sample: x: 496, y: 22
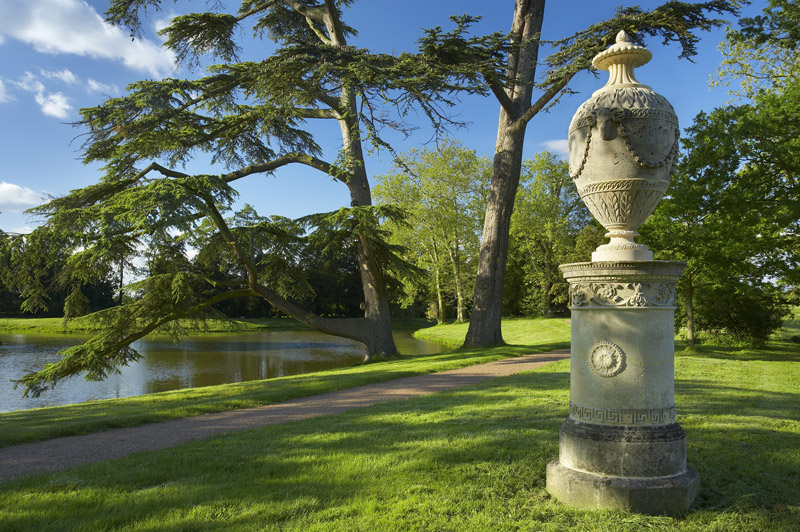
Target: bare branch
x: 302, y: 158
x: 500, y: 93
x: 543, y: 100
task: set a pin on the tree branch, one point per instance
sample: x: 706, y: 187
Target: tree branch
x: 348, y: 327
x: 500, y: 93
x: 302, y: 158
x: 543, y: 100
x: 334, y: 25
x: 317, y: 113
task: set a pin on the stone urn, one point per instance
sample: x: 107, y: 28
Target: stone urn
x: 621, y: 445
x: 623, y: 144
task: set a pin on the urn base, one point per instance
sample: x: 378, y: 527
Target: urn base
x: 654, y: 496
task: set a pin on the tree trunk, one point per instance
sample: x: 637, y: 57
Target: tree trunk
x: 689, y: 302
x: 454, y: 260
x: 438, y: 285
x: 379, y: 341
x: 376, y: 301
x: 121, y: 280
x: 484, y: 325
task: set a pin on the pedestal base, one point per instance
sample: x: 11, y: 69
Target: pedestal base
x: 655, y: 496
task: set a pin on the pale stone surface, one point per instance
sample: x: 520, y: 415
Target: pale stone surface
x: 623, y: 144
x: 656, y: 496
x: 621, y: 446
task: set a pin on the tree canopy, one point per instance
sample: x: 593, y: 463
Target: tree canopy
x: 248, y: 118
x: 732, y: 209
x: 443, y: 193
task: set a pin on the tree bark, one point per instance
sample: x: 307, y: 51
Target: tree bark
x: 438, y: 285
x: 484, y: 326
x: 379, y: 341
x: 454, y: 259
x: 689, y: 302
x: 376, y: 300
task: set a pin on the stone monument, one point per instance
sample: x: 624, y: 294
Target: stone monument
x: 621, y: 446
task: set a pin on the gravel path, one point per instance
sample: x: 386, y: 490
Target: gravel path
x: 61, y: 453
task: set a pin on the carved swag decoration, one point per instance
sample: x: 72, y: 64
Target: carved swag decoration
x: 660, y: 294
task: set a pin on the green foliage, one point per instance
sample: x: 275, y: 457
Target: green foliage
x: 547, y: 221
x: 740, y: 313
x: 75, y: 305
x: 443, y: 193
x: 732, y: 209
x: 731, y: 212
x: 761, y: 55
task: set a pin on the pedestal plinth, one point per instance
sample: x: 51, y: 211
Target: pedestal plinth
x: 621, y: 446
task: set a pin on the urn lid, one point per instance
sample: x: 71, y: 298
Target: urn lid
x: 619, y: 60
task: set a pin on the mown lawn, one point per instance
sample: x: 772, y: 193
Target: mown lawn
x: 83, y: 325
x: 43, y: 423
x: 516, y: 331
x: 467, y: 460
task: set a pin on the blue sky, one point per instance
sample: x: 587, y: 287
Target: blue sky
x: 57, y: 56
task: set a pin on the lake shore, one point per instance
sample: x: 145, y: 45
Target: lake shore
x: 48, y: 422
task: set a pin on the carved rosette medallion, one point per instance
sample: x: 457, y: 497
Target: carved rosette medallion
x: 607, y: 359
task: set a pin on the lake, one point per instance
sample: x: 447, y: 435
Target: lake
x: 192, y: 362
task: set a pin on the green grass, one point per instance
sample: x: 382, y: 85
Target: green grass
x: 791, y: 327
x: 472, y: 459
x: 44, y: 423
x: 516, y: 331
x: 55, y: 326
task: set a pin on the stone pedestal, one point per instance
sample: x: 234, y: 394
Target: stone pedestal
x: 621, y: 446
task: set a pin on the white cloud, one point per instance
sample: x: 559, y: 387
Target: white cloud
x: 92, y: 85
x: 2, y: 39
x: 4, y: 96
x: 557, y: 146
x: 51, y: 103
x: 162, y: 22
x: 16, y: 197
x: 74, y: 27
x: 64, y: 75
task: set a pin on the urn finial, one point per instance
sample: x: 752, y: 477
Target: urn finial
x: 623, y: 143
x: 619, y: 60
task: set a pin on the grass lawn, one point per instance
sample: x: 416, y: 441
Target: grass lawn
x: 44, y: 423
x: 55, y: 326
x: 472, y: 459
x: 516, y: 331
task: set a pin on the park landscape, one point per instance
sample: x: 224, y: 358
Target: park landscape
x: 462, y: 249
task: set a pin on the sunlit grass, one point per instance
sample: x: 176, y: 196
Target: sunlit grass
x: 472, y: 459
x: 516, y: 331
x: 44, y: 423
x: 55, y: 326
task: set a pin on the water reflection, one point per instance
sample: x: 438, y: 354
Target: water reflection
x: 194, y: 362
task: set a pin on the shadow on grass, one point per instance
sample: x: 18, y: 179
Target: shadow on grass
x: 775, y: 351
x: 469, y: 459
x: 745, y: 442
x: 46, y: 423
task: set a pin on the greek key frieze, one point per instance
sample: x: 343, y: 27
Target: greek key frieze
x: 661, y: 294
x: 610, y: 416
